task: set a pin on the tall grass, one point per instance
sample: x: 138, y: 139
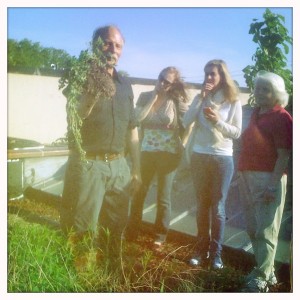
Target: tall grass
x: 40, y: 260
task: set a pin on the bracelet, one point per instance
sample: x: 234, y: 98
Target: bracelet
x: 271, y: 189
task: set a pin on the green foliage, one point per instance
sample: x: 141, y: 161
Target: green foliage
x: 273, y: 45
x: 123, y: 73
x: 86, y: 76
x: 32, y: 55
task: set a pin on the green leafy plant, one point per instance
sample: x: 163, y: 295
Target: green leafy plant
x: 273, y: 45
x: 85, y: 76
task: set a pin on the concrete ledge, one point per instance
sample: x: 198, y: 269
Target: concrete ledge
x: 32, y: 153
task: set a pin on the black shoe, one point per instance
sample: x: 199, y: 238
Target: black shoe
x: 216, y: 263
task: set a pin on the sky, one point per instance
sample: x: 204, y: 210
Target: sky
x: 155, y: 37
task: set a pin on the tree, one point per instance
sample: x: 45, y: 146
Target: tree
x: 123, y: 73
x: 273, y: 46
x: 55, y: 58
x: 12, y: 56
x: 26, y: 54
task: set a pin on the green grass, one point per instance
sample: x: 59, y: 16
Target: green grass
x: 41, y: 260
x: 38, y: 260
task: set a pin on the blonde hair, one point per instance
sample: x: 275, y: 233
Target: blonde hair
x: 278, y: 86
x: 230, y: 88
x: 178, y: 91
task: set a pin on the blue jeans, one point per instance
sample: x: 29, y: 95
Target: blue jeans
x: 211, y: 177
x: 163, y: 165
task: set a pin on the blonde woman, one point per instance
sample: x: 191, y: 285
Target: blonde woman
x: 217, y: 117
x: 160, y: 113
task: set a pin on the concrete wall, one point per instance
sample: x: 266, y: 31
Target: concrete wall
x: 36, y: 107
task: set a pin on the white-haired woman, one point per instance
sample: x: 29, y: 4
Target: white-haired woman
x: 265, y: 150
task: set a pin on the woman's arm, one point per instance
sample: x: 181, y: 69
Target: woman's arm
x: 234, y: 128
x: 280, y: 167
x: 187, y: 133
x: 143, y: 107
x: 191, y: 115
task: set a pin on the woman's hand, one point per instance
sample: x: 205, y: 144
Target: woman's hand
x: 270, y: 194
x: 207, y: 89
x: 157, y: 88
x: 211, y: 115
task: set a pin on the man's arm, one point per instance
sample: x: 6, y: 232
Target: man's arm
x: 134, y: 151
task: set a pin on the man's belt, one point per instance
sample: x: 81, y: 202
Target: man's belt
x: 106, y: 157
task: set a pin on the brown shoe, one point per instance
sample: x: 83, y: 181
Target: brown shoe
x: 79, y: 244
x: 81, y: 262
x: 99, y: 257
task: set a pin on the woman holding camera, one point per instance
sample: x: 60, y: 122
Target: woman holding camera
x: 159, y: 112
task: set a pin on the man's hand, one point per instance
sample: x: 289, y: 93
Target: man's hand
x: 135, y: 184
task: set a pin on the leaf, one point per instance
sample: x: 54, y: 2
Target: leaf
x: 286, y: 48
x: 272, y: 39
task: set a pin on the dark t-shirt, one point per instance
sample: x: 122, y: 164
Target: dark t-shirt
x: 106, y: 128
x: 265, y: 134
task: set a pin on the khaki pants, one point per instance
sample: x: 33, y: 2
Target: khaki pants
x: 263, y: 219
x: 96, y: 194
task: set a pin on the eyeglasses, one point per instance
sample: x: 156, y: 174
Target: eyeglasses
x: 164, y: 81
